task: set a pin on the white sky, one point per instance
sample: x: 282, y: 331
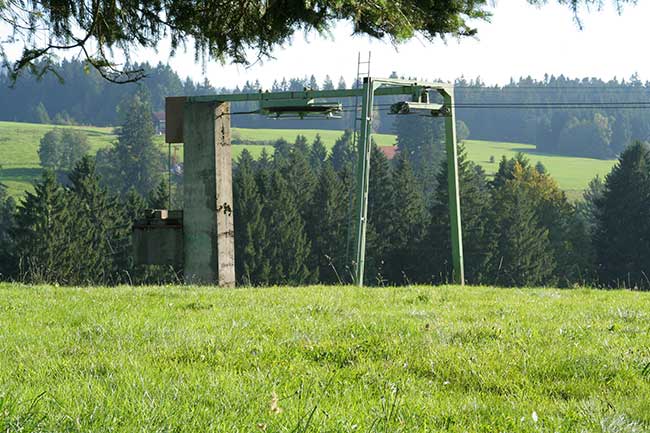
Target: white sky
x: 520, y: 40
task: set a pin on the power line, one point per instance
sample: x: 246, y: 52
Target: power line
x: 570, y: 105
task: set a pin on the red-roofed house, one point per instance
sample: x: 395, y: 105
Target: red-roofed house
x: 388, y: 151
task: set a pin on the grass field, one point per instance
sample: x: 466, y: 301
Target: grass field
x: 572, y: 174
x: 20, y: 165
x: 19, y: 146
x: 323, y: 359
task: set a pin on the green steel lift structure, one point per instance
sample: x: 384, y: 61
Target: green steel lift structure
x: 309, y: 103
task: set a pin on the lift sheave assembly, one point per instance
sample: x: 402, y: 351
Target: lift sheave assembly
x: 202, y: 124
x: 300, y: 108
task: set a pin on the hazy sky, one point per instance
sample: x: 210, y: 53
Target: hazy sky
x: 520, y: 40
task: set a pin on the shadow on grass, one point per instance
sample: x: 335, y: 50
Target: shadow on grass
x: 20, y: 174
x: 536, y: 152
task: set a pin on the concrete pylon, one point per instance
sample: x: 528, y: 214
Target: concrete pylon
x: 208, y: 229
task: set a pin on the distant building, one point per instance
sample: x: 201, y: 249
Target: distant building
x: 159, y: 122
x: 388, y: 151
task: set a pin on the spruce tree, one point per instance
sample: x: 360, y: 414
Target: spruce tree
x: 409, y: 225
x: 7, y: 221
x: 159, y: 196
x: 524, y: 255
x: 41, y: 114
x: 380, y: 217
x: 134, y: 161
x: 252, y: 265
x: 102, y: 236
x: 622, y: 238
x: 587, y: 208
x: 326, y: 227
x: 478, y: 235
x: 317, y: 154
x: 301, y: 180
x: 282, y: 150
x: 301, y: 146
x: 327, y: 83
x: 555, y: 214
x: 289, y: 248
x: 44, y: 232
x: 133, y: 206
x: 343, y: 152
x: 422, y: 140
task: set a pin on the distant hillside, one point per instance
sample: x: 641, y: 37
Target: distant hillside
x: 20, y: 164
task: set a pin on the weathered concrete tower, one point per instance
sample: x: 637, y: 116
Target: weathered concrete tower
x: 208, y: 232
x: 201, y: 237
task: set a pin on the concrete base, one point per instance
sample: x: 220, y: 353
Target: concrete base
x: 208, y: 230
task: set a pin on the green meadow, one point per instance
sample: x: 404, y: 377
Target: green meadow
x: 20, y: 165
x: 572, y: 174
x: 323, y: 359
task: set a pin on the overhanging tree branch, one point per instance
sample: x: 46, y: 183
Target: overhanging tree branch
x: 224, y: 30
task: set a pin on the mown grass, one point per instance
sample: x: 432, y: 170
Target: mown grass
x: 20, y: 165
x: 323, y: 359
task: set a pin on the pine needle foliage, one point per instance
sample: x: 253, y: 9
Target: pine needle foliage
x: 622, y: 236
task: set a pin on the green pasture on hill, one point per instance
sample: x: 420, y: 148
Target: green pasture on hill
x: 323, y: 359
x: 572, y: 174
x: 19, y: 151
x: 20, y: 165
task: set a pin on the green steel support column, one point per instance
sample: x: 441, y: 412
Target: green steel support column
x: 363, y: 177
x: 454, y: 190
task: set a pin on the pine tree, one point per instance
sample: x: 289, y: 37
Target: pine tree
x: 587, y: 208
x: 380, y: 217
x: 289, y: 248
x: 622, y: 238
x: 102, y: 236
x: 251, y: 244
x: 343, y: 153
x: 282, y: 150
x: 7, y: 221
x: 524, y: 255
x: 328, y: 84
x: 409, y: 225
x: 523, y: 249
x: 422, y: 141
x: 133, y: 206
x: 313, y: 84
x: 317, y: 154
x: 326, y: 227
x: 555, y: 214
x: 159, y: 197
x: 43, y: 233
x: 134, y: 161
x: 478, y: 235
x: 301, y: 181
x: 41, y: 114
x: 301, y: 146
x: 263, y: 167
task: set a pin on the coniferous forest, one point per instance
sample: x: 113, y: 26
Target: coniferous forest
x: 569, y: 116
x: 293, y: 225
x: 293, y: 208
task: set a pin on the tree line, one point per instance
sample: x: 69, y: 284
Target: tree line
x: 579, y: 117
x: 293, y: 210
